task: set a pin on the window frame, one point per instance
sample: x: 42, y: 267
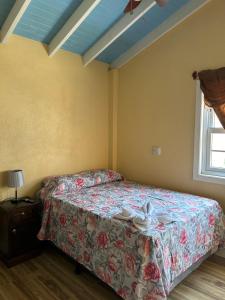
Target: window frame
x: 201, y: 169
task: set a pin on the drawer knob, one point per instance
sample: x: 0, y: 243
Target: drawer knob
x: 22, y: 213
x: 14, y: 231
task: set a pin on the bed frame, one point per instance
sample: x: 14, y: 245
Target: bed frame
x: 79, y: 267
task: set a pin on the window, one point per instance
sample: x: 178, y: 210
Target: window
x: 209, y: 157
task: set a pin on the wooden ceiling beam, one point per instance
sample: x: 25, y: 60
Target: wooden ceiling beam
x: 73, y: 23
x: 13, y: 19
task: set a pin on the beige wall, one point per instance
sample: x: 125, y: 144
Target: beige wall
x: 53, y: 113
x: 157, y: 103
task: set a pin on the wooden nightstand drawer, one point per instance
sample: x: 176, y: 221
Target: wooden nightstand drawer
x: 21, y: 216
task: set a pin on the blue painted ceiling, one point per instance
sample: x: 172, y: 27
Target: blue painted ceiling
x: 43, y: 19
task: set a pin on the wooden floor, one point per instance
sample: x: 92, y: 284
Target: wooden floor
x: 51, y: 277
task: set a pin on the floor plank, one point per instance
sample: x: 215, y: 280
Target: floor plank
x: 50, y: 276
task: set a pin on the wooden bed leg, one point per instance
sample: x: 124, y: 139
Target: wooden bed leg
x: 77, y: 269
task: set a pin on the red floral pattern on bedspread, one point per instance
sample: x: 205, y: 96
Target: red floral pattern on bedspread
x: 137, y: 265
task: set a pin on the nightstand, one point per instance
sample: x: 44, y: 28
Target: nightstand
x: 19, y: 225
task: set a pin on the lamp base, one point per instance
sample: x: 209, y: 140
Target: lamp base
x: 15, y: 200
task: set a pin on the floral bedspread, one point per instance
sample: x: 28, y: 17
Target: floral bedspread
x: 137, y: 265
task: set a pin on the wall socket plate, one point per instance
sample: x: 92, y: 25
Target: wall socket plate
x: 156, y: 150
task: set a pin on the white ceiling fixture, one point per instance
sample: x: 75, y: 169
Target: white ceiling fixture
x: 73, y: 23
x: 13, y: 18
x: 117, y: 30
x: 182, y: 14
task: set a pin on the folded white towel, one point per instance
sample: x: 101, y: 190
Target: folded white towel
x: 125, y: 214
x: 141, y: 221
x: 147, y: 208
x: 144, y: 224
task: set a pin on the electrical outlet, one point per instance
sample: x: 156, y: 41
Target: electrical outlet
x: 156, y: 150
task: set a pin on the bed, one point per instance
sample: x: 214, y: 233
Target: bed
x: 79, y: 218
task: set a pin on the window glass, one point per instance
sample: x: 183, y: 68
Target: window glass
x: 218, y: 160
x: 218, y: 141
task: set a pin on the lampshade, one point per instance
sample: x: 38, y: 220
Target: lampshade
x: 15, y: 178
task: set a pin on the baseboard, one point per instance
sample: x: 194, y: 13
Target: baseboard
x: 221, y: 253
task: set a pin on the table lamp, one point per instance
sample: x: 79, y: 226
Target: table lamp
x: 15, y: 180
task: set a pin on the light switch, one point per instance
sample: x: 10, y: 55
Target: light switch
x: 156, y: 150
